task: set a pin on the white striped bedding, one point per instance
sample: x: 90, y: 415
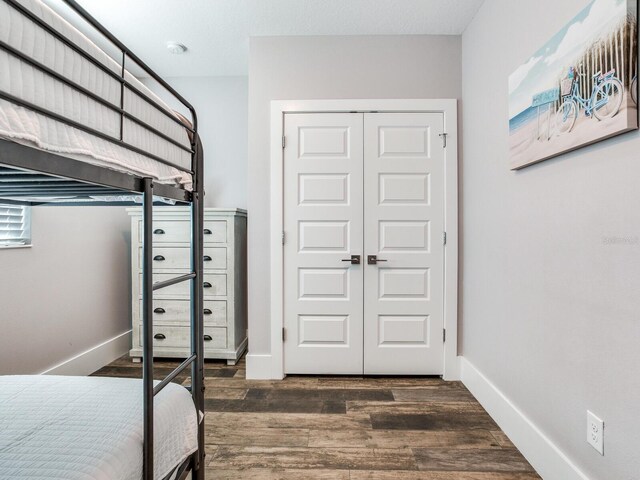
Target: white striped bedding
x: 27, y: 83
x: 89, y: 428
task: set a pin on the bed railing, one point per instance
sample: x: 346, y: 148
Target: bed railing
x: 91, y: 174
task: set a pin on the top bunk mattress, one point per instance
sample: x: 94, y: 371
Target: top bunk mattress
x: 89, y: 428
x: 22, y: 80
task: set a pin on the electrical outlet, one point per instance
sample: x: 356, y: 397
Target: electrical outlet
x: 595, y: 432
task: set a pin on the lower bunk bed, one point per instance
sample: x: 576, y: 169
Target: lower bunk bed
x: 79, y: 428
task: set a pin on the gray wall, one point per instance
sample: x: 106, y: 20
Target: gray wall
x: 298, y: 68
x: 221, y: 104
x: 549, y: 298
x: 67, y: 293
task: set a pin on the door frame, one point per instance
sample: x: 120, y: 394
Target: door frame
x: 449, y: 108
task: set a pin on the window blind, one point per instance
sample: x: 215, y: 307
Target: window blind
x: 15, y: 225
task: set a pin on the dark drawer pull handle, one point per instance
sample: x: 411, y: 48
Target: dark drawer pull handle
x: 159, y: 336
x: 159, y: 258
x: 207, y: 231
x: 207, y: 258
x: 207, y: 311
x: 206, y: 285
x: 158, y: 231
x: 159, y: 310
x: 207, y: 338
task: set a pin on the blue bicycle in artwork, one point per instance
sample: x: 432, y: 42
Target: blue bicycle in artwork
x: 604, y: 102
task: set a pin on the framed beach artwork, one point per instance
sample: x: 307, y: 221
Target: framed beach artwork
x: 579, y: 88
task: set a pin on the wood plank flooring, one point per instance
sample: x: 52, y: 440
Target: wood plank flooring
x: 345, y: 428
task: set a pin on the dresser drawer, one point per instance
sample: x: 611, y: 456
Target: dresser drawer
x: 215, y: 284
x: 179, y: 231
x: 179, y: 311
x: 215, y: 258
x: 215, y: 312
x: 180, y: 337
x: 215, y: 231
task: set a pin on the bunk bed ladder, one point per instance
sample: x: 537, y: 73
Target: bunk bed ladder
x: 196, y: 359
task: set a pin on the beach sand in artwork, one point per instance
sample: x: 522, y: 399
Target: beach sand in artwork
x: 526, y: 147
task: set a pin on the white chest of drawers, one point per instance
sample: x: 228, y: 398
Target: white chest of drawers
x: 225, y: 282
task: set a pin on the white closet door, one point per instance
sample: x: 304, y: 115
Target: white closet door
x: 404, y: 218
x: 323, y: 216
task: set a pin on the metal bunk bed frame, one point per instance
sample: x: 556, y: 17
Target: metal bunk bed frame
x: 27, y: 172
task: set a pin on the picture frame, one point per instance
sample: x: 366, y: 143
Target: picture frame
x: 579, y: 88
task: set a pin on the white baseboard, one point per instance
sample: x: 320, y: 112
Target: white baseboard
x: 548, y: 460
x: 94, y: 358
x: 260, y: 367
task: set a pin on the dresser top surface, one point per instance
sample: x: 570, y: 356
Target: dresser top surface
x: 182, y: 211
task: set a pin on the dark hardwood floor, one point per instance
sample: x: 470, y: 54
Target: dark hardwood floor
x: 345, y: 428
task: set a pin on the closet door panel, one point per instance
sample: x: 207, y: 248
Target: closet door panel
x: 403, y: 228
x: 323, y: 215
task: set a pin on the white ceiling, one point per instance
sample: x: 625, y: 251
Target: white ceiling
x: 217, y: 32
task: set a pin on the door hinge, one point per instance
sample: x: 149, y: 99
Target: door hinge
x: 284, y: 334
x: 444, y: 238
x: 444, y: 335
x: 283, y: 237
x: 444, y: 139
x: 284, y: 141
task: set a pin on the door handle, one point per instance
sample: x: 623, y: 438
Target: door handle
x: 354, y: 260
x: 373, y: 259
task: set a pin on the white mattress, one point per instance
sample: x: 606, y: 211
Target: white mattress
x: 89, y: 428
x: 27, y: 83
